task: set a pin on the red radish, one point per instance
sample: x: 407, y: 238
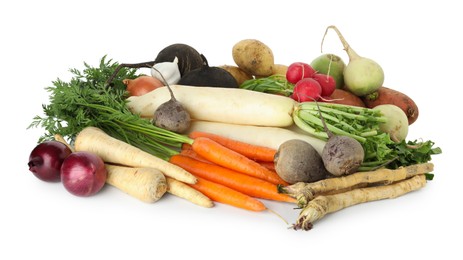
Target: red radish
x: 327, y: 83
x: 307, y: 89
x: 299, y: 70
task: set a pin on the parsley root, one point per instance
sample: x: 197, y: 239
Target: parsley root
x: 322, y: 205
x: 305, y: 192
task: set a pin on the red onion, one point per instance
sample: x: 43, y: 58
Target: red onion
x: 83, y: 173
x: 46, y: 159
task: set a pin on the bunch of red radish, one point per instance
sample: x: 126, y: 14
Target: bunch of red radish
x: 308, y: 84
x: 82, y: 173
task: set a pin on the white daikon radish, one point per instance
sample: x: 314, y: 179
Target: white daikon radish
x: 226, y: 105
x: 271, y: 137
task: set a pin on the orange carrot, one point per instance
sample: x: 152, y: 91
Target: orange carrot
x: 246, y: 184
x: 221, y: 155
x: 254, y: 152
x: 223, y: 194
x: 192, y: 154
x: 268, y: 165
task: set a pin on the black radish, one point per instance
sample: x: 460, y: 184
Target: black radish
x: 188, y: 58
x: 362, y: 76
x: 207, y: 76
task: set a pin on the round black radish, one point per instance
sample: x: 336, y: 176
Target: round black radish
x: 342, y: 155
x: 297, y: 161
x: 188, y: 57
x: 209, y: 77
x: 172, y: 116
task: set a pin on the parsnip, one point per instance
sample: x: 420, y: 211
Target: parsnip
x: 112, y: 150
x: 271, y: 137
x: 145, y: 184
x: 184, y: 191
x: 227, y: 105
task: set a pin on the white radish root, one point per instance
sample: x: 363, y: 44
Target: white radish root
x: 227, y: 105
x: 271, y: 137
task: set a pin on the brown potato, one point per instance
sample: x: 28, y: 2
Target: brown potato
x: 239, y: 74
x: 254, y: 57
x: 280, y: 69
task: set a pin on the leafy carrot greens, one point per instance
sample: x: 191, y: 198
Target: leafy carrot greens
x: 87, y: 100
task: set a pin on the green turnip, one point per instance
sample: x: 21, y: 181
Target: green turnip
x: 330, y: 64
x: 362, y: 76
x: 397, y: 122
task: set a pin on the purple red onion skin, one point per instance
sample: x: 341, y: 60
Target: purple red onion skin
x: 83, y: 174
x: 46, y: 159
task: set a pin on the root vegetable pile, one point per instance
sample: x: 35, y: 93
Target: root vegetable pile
x: 322, y: 135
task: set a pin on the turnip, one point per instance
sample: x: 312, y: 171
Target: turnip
x: 362, y: 76
x: 332, y: 65
x: 397, y: 122
x: 307, y: 89
x: 299, y: 70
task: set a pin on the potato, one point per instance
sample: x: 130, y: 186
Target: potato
x: 390, y: 96
x: 280, y: 69
x: 239, y: 74
x: 254, y: 57
x: 397, y: 122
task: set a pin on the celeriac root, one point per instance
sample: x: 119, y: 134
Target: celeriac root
x: 305, y: 192
x: 322, y: 205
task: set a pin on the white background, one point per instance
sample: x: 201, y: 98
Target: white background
x: 418, y: 45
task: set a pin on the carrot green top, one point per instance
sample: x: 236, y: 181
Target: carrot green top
x: 87, y: 100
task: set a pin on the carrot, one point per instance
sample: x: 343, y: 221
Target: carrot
x: 246, y: 184
x: 230, y: 159
x: 268, y: 165
x: 226, y: 195
x: 145, y: 184
x: 255, y: 152
x: 112, y: 150
x: 182, y: 190
x: 187, y: 150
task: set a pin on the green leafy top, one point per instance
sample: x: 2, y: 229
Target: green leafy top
x: 87, y: 100
x: 362, y: 124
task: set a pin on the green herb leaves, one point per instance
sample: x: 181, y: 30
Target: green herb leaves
x: 363, y: 125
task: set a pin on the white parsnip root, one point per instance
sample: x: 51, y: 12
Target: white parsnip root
x: 145, y: 184
x: 322, y: 205
x: 184, y: 191
x: 114, y: 151
x: 227, y: 105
